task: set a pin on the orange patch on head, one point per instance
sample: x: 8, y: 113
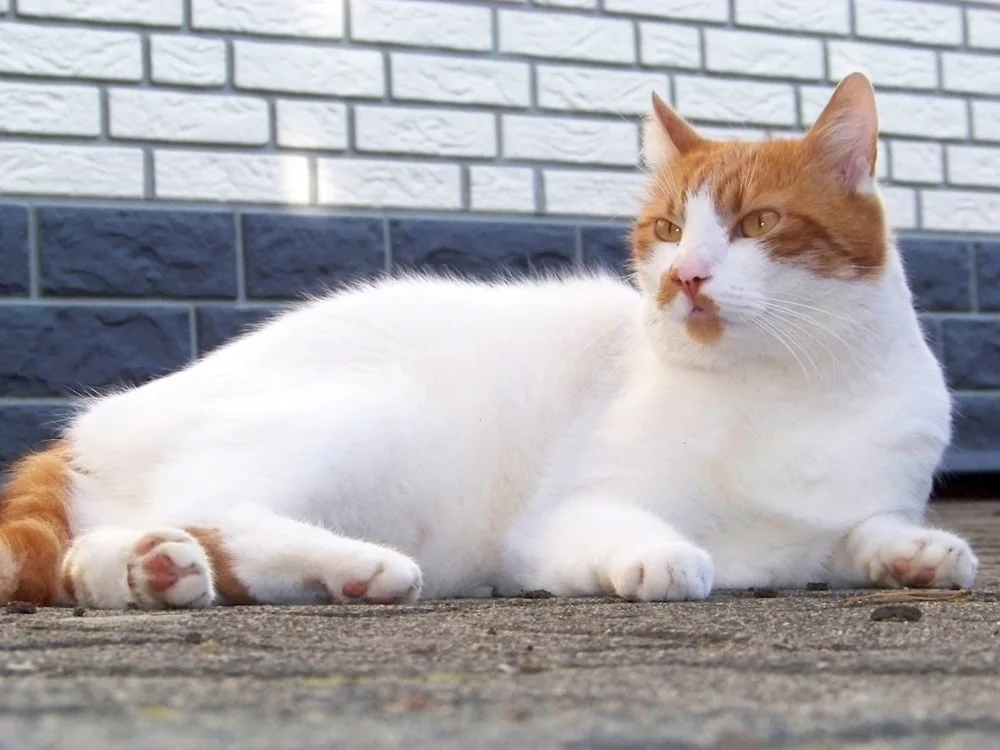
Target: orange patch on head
x: 829, y: 222
x: 227, y: 583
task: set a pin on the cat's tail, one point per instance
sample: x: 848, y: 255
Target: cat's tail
x: 34, y: 527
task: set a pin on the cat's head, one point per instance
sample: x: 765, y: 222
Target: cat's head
x: 749, y: 248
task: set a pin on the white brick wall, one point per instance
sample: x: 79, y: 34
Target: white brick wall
x: 49, y: 109
x: 494, y: 106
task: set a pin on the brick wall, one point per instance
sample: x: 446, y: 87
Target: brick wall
x: 170, y: 169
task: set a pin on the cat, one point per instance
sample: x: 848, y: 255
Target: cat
x: 756, y: 407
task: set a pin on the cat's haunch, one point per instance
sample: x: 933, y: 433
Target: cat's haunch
x: 756, y: 407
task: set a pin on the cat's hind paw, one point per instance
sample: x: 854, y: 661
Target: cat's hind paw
x: 676, y: 571
x: 922, y: 558
x: 169, y: 568
x: 116, y: 568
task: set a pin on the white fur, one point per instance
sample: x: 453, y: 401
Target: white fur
x: 562, y: 434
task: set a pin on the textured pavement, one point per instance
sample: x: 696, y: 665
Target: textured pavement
x: 800, y: 669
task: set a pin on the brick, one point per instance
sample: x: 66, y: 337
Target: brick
x: 986, y: 120
x: 565, y: 36
x: 246, y: 178
x: 303, y: 18
x: 97, y: 252
x: 190, y: 61
x: 480, y: 250
x: 983, y: 28
x: 900, y: 205
x: 310, y: 124
x: 935, y: 117
x: 62, y: 351
x: 988, y: 274
x: 401, y: 130
x: 828, y: 17
x: 49, y: 110
x: 289, y: 256
x: 436, y: 78
x: 755, y: 53
x: 421, y: 23
x: 607, y: 248
x: 309, y: 70
x: 977, y: 423
x: 974, y: 165
x: 216, y: 326
x: 972, y: 353
x: 670, y: 45
x: 141, y: 12
x: 188, y: 118
x: 971, y: 73
x: 388, y: 184
x: 42, y: 169
x: 689, y: 10
x: 27, y: 427
x: 917, y: 161
x: 597, y: 90
x: 903, y: 20
x: 885, y: 64
x: 503, y: 189
x: 580, y: 193
x: 958, y: 211
x: 732, y: 100
x: 570, y: 140
x: 939, y: 273
x: 70, y: 52
x: 14, y: 276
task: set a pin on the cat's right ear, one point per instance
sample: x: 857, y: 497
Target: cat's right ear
x: 666, y: 135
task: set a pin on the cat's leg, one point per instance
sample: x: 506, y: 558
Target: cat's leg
x: 588, y: 547
x: 117, y: 568
x: 269, y: 559
x: 890, y: 551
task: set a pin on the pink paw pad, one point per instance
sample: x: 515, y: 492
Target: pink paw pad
x: 355, y: 589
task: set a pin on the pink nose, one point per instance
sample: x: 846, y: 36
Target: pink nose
x: 689, y: 280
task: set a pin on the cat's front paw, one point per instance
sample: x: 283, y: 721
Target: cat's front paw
x: 921, y: 558
x: 371, y: 574
x: 169, y: 568
x: 672, y: 572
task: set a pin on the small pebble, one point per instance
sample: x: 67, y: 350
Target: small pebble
x: 194, y: 637
x: 21, y: 608
x: 818, y: 586
x: 896, y: 613
x: 764, y: 592
x: 79, y: 612
x: 491, y: 631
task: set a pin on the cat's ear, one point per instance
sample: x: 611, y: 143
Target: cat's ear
x: 666, y: 135
x: 845, y: 136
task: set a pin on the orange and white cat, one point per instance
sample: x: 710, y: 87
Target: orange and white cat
x: 761, y: 411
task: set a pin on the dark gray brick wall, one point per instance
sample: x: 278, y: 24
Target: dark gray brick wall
x: 98, y: 297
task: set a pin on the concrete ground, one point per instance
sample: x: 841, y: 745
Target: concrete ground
x: 801, y: 669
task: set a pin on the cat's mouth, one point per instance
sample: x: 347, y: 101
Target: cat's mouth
x: 704, y: 322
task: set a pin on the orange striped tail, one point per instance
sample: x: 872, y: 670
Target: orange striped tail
x: 34, y: 527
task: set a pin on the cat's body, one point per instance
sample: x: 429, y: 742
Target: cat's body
x: 741, y: 419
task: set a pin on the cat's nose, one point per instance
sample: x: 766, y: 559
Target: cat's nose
x: 689, y: 280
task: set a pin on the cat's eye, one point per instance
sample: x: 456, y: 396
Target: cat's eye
x: 758, y: 223
x: 666, y: 231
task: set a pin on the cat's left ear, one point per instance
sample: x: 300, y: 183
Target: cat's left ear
x: 666, y: 135
x: 845, y: 136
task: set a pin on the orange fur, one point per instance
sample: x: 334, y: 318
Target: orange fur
x: 227, y: 583
x: 34, y: 527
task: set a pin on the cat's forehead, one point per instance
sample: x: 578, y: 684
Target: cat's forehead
x: 733, y: 174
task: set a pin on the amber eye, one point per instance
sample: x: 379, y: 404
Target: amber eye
x: 758, y: 223
x: 666, y: 231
